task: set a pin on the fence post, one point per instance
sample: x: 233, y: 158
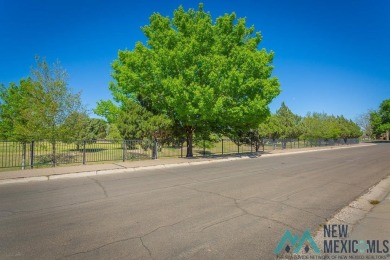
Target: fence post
x: 54, y: 150
x: 124, y: 151
x: 238, y: 146
x: 222, y: 146
x: 181, y: 149
x: 84, y: 159
x: 32, y: 155
x: 24, y: 151
x: 204, y: 148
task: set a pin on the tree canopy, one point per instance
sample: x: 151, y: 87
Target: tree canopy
x: 380, y: 119
x: 285, y: 124
x: 202, y: 75
x: 39, y: 106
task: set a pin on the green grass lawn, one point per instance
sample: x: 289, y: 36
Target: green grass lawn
x: 103, y: 151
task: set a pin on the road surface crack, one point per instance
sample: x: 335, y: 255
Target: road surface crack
x: 147, y: 249
x: 100, y: 185
x: 222, y: 221
x: 140, y: 238
x: 99, y: 247
x: 288, y: 205
x: 244, y: 211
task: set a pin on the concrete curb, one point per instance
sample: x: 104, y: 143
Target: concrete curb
x: 24, y: 180
x: 112, y: 171
x: 160, y: 166
x: 319, y: 150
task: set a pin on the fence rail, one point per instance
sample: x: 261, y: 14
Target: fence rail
x: 50, y: 154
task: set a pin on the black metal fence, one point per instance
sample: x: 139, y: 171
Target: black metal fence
x: 45, y: 154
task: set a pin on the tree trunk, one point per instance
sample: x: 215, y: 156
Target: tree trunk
x: 155, y: 147
x: 189, y: 133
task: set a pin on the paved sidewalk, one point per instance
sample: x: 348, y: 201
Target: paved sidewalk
x: 376, y: 224
x: 44, y: 174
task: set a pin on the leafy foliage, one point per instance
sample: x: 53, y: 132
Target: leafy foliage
x: 113, y: 133
x: 380, y: 120
x: 135, y: 122
x: 285, y: 123
x: 323, y: 126
x: 39, y: 106
x: 203, y: 76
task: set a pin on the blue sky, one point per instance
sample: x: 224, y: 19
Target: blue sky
x: 330, y: 56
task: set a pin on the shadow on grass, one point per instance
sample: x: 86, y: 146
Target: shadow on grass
x: 88, y: 150
x: 216, y: 156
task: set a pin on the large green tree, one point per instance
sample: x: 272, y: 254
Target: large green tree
x: 201, y: 74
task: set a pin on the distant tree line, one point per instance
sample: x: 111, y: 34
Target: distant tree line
x: 284, y: 124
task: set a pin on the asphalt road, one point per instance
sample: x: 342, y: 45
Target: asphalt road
x: 231, y: 210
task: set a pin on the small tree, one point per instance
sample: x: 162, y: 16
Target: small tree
x: 113, y: 133
x: 287, y: 123
x: 364, y: 122
x: 38, y: 107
